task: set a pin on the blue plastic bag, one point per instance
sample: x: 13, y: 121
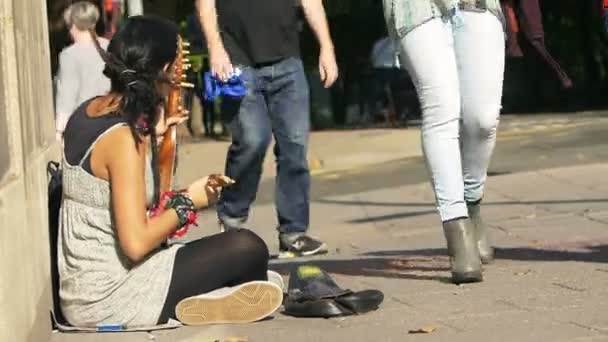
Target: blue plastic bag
x: 234, y: 87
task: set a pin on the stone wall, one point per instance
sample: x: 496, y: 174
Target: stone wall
x: 26, y: 136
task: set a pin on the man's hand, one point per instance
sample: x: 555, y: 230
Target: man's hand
x: 328, y: 69
x: 220, y: 63
x: 315, y: 15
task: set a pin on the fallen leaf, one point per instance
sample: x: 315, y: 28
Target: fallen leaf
x: 399, y: 263
x: 236, y: 339
x: 524, y: 273
x: 424, y: 330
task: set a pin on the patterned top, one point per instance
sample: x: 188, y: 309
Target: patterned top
x: 98, y: 284
x: 402, y: 16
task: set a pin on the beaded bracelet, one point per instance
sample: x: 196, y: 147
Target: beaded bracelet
x: 183, y: 206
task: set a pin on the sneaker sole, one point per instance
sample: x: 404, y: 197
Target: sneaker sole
x: 248, y: 302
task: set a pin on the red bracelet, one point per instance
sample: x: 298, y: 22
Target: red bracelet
x: 191, y: 214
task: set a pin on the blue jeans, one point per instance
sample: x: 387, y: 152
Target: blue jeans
x: 276, y: 103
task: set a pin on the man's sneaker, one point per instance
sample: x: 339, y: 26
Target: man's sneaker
x: 293, y: 245
x: 245, y: 303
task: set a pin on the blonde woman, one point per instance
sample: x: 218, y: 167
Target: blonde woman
x: 454, y: 52
x: 80, y: 76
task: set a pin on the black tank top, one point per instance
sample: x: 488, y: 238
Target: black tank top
x: 81, y: 132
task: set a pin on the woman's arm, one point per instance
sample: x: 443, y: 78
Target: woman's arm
x: 125, y: 161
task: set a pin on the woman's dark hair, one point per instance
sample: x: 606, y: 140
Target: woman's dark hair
x: 135, y: 60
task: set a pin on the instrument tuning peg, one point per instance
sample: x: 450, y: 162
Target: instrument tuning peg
x: 184, y: 112
x: 186, y: 85
x: 184, y: 76
x: 186, y: 52
x: 185, y: 60
x: 187, y: 66
x: 185, y: 44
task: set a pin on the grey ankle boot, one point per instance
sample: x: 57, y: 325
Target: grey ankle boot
x: 463, y: 252
x: 486, y: 252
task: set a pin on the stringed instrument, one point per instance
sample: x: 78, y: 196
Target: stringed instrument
x: 174, y: 107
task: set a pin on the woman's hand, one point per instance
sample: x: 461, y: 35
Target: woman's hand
x: 163, y: 125
x: 206, y: 191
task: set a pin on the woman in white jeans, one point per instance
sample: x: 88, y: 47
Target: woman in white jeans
x: 454, y: 52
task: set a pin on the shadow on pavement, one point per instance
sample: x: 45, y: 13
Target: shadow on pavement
x: 396, y: 216
x: 432, y: 263
x: 588, y: 253
x: 432, y: 267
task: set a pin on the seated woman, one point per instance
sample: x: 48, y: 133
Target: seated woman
x: 114, y: 266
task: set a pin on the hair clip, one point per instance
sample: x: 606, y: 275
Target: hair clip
x: 141, y: 125
x: 130, y: 71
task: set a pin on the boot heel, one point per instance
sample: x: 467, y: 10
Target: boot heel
x: 462, y: 249
x: 467, y: 277
x: 486, y: 251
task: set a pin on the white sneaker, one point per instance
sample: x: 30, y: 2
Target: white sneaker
x: 277, y: 279
x: 245, y: 303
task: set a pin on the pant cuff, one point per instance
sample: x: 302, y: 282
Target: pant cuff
x: 453, y: 212
x: 292, y: 229
x: 232, y: 222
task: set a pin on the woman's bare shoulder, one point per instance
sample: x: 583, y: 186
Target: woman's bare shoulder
x: 103, y: 105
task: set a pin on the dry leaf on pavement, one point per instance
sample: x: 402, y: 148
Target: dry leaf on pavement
x: 424, y: 330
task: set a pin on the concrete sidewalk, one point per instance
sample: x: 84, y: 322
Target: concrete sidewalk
x: 328, y: 151
x: 549, y: 282
x: 336, y: 150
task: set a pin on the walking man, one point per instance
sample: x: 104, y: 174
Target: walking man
x: 261, y: 39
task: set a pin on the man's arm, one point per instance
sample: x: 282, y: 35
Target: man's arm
x: 315, y: 15
x: 208, y: 18
x: 218, y: 58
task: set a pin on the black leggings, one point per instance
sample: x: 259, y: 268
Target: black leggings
x: 226, y: 259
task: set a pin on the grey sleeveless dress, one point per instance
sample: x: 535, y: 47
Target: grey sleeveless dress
x: 98, y: 283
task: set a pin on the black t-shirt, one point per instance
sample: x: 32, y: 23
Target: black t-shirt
x: 259, y: 31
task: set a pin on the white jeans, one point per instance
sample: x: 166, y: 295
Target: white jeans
x: 458, y: 74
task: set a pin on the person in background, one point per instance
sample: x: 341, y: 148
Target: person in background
x: 80, y: 74
x: 116, y: 9
x: 605, y: 15
x: 454, y: 51
x: 384, y: 78
x: 261, y: 38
